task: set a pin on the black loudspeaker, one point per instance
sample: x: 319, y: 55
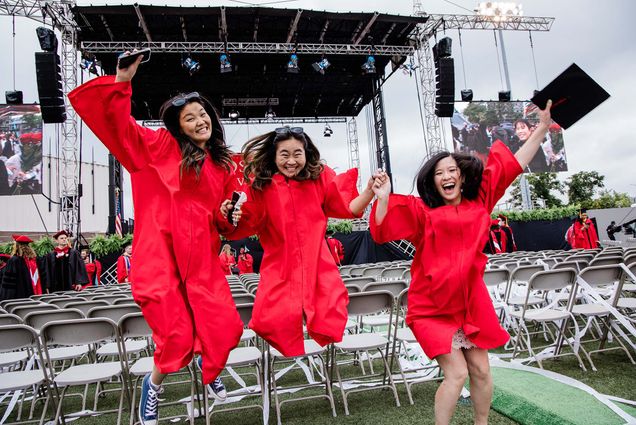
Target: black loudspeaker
x: 504, y: 96
x: 49, y: 79
x: 47, y: 39
x: 467, y: 95
x: 444, y: 47
x: 13, y: 97
x: 444, y: 87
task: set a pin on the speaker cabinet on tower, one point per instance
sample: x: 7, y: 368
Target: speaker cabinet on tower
x: 50, y: 93
x: 444, y: 87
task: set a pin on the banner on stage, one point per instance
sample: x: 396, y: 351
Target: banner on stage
x: 20, y: 150
x: 476, y: 125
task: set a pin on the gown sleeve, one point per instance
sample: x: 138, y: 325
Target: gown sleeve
x: 104, y: 105
x: 9, y: 283
x: 401, y: 220
x: 252, y: 216
x: 340, y: 190
x: 501, y: 170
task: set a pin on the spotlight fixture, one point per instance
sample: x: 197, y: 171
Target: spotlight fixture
x: 369, y: 66
x: 47, y: 39
x: 504, y: 96
x: 321, y: 65
x: 292, y: 65
x: 328, y: 131
x: 234, y: 115
x: 270, y: 114
x: 89, y: 63
x: 190, y: 65
x: 226, y: 66
x: 467, y: 95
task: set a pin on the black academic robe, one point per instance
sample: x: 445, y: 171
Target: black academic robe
x: 16, y: 279
x: 74, y: 272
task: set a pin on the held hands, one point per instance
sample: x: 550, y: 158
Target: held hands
x: 127, y: 74
x: 545, y: 118
x: 225, y: 208
x: 381, y: 184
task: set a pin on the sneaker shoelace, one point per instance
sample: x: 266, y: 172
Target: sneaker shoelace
x: 217, y: 385
x: 152, y: 401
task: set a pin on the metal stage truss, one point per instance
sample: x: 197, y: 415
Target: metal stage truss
x: 426, y: 66
x: 245, y: 47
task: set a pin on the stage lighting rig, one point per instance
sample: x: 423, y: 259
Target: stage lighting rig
x: 47, y: 39
x: 328, y: 131
x: 226, y: 65
x: 321, y: 65
x: 369, y: 66
x: 233, y: 115
x: 190, y: 65
x: 292, y: 64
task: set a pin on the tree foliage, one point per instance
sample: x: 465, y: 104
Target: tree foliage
x: 542, y: 188
x: 582, y: 187
x: 557, y: 213
x: 610, y: 199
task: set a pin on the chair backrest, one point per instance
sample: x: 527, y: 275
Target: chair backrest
x: 63, y: 302
x: 406, y: 275
x: 113, y: 312
x: 9, y: 306
x: 569, y: 264
x: 23, y: 311
x: 552, y: 280
x: 244, y: 298
x: 37, y: 319
x: 110, y: 299
x: 581, y: 257
x: 134, y: 325
x: 604, y: 261
x: 523, y: 273
x: 79, y: 331
x: 17, y: 337
x: 245, y: 312
x: 10, y: 319
x: 124, y: 301
x: 601, y: 275
x: 352, y: 288
x: 369, y: 302
x: 373, y: 271
x: 630, y: 259
x: 495, y: 277
x: 360, y: 281
x: 395, y: 287
x: 393, y: 273
x: 46, y: 298
x: 86, y: 306
x: 356, y: 271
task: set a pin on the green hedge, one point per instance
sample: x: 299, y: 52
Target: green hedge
x: 100, y: 245
x: 556, y: 213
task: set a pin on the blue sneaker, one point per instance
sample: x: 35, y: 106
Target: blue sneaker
x: 149, y: 403
x: 216, y: 389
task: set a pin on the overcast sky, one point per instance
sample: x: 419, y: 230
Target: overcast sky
x: 598, y: 36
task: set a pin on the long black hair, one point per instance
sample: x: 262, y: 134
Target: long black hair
x: 259, y: 154
x: 192, y: 156
x: 471, y: 169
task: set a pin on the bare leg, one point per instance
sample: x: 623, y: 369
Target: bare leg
x: 455, y: 373
x: 480, y: 383
x: 156, y: 377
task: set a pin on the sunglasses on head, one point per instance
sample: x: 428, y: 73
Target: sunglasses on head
x: 286, y: 131
x: 182, y: 99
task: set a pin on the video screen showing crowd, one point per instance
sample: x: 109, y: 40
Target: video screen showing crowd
x: 480, y: 124
x: 20, y: 150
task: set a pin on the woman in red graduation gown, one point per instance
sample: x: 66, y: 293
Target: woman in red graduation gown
x: 291, y: 195
x: 180, y: 175
x: 227, y: 259
x: 93, y: 269
x: 584, y: 232
x: 124, y: 264
x: 450, y: 311
x: 245, y: 262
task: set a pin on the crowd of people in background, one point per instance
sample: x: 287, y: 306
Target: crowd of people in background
x: 241, y: 264
x: 20, y: 162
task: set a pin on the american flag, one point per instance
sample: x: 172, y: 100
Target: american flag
x: 118, y: 231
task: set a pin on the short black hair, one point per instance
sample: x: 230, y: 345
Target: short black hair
x: 470, y: 166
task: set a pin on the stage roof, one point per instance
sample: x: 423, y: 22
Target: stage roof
x: 259, y: 41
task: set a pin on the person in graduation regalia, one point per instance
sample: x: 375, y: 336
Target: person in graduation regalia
x: 124, y: 264
x: 65, y: 269
x: 179, y: 175
x: 24, y: 273
x: 450, y: 311
x: 510, y: 245
x: 245, y: 262
x: 290, y: 195
x: 336, y: 248
x: 584, y: 232
x: 93, y: 268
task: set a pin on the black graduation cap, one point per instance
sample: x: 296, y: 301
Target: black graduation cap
x: 573, y: 94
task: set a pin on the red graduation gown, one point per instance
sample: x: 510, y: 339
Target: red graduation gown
x: 585, y: 239
x: 123, y: 269
x: 245, y: 264
x: 447, y: 289
x: 177, y: 278
x: 298, y: 275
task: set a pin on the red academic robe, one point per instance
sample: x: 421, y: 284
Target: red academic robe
x: 586, y: 239
x: 227, y: 261
x: 336, y: 249
x: 123, y: 268
x: 298, y: 275
x: 94, y: 272
x: 177, y: 279
x: 245, y: 264
x: 447, y: 289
